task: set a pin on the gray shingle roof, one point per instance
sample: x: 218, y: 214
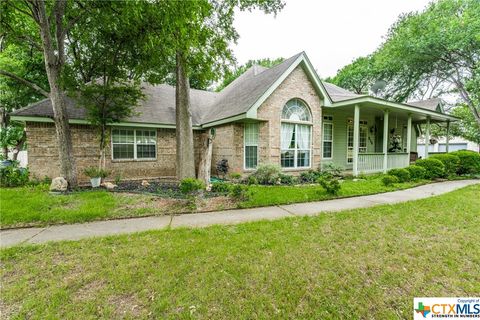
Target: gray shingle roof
x: 429, y: 104
x: 337, y: 93
x: 158, y: 106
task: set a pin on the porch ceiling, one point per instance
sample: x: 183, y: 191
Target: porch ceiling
x: 401, y: 111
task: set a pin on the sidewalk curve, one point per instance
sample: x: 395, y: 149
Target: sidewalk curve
x: 11, y: 237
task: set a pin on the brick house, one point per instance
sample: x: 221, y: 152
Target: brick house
x: 283, y: 115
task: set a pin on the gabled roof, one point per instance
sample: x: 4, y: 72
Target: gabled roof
x: 337, y: 93
x: 244, y: 95
x: 434, y: 104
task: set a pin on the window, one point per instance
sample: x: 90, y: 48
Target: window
x: 134, y: 144
x: 362, y: 143
x: 251, y: 145
x: 295, y: 135
x: 327, y: 137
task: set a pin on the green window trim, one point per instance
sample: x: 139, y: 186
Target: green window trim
x: 133, y: 144
x: 250, y: 159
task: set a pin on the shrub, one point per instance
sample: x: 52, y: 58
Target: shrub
x: 450, y: 161
x: 240, y: 192
x: 191, y: 186
x: 330, y: 184
x: 251, y: 180
x: 94, y: 172
x: 118, y: 178
x: 288, y: 179
x: 334, y: 169
x: 222, y: 167
x: 235, y: 176
x: 310, y: 176
x: 221, y: 187
x: 434, y: 168
x: 12, y: 176
x: 389, y: 180
x: 403, y: 175
x: 416, y: 172
x: 469, y: 162
x: 268, y: 174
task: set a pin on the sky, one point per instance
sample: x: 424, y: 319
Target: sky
x: 331, y: 32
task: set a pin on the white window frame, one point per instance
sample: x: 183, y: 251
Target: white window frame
x: 327, y: 120
x: 295, y: 149
x: 250, y: 145
x: 135, y: 158
x: 363, y: 124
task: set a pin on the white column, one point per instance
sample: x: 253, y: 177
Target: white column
x: 427, y: 137
x: 356, y: 138
x: 409, y: 138
x: 447, y: 142
x: 385, y: 141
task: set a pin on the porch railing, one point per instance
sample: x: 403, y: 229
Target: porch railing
x: 373, y: 162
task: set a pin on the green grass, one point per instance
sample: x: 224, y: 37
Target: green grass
x: 366, y: 263
x: 35, y: 206
x: 277, y: 195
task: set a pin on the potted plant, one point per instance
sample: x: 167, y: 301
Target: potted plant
x: 96, y: 175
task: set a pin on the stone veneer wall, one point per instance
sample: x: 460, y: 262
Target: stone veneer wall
x: 296, y: 85
x: 43, y: 154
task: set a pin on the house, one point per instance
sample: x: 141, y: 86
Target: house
x: 441, y: 145
x: 284, y: 115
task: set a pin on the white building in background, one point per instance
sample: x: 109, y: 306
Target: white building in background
x: 455, y: 143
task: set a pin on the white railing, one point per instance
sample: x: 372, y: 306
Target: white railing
x: 373, y: 162
x: 370, y: 162
x: 398, y: 160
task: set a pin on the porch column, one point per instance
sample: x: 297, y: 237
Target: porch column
x: 356, y: 138
x: 385, y: 141
x: 427, y: 137
x: 447, y: 142
x: 409, y: 138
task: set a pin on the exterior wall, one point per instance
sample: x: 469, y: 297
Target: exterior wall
x: 228, y: 144
x: 43, y: 154
x: 296, y: 85
x: 456, y: 143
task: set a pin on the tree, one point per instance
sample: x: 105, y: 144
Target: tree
x: 467, y: 127
x: 438, y: 45
x: 359, y: 76
x: 231, y: 75
x: 28, y: 64
x: 199, y: 34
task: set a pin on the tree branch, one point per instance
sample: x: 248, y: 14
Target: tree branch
x: 29, y: 84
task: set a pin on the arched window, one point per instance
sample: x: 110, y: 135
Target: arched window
x: 296, y: 110
x: 296, y: 135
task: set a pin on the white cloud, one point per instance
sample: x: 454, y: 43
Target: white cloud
x: 332, y: 32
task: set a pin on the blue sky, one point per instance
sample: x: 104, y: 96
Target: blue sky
x: 332, y: 32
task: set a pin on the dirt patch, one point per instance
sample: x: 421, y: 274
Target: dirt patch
x: 126, y: 306
x: 216, y: 203
x: 89, y: 290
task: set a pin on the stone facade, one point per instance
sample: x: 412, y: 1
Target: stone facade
x: 43, y: 154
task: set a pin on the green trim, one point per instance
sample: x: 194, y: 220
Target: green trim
x: 226, y: 120
x: 387, y: 103
x: 119, y: 124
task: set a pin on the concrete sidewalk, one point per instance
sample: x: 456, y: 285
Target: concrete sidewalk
x: 111, y: 227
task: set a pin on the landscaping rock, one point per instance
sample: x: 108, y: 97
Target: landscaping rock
x: 109, y: 185
x: 59, y: 184
x: 145, y: 183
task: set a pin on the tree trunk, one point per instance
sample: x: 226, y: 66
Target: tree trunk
x: 54, y: 62
x: 19, y: 146
x: 183, y: 117
x: 205, y: 165
x: 5, y: 120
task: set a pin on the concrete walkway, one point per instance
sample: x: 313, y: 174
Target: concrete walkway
x: 121, y: 226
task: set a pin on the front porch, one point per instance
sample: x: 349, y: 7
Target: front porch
x: 376, y: 136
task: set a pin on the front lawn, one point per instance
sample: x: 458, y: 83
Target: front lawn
x: 365, y: 263
x: 277, y: 195
x: 34, y: 206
